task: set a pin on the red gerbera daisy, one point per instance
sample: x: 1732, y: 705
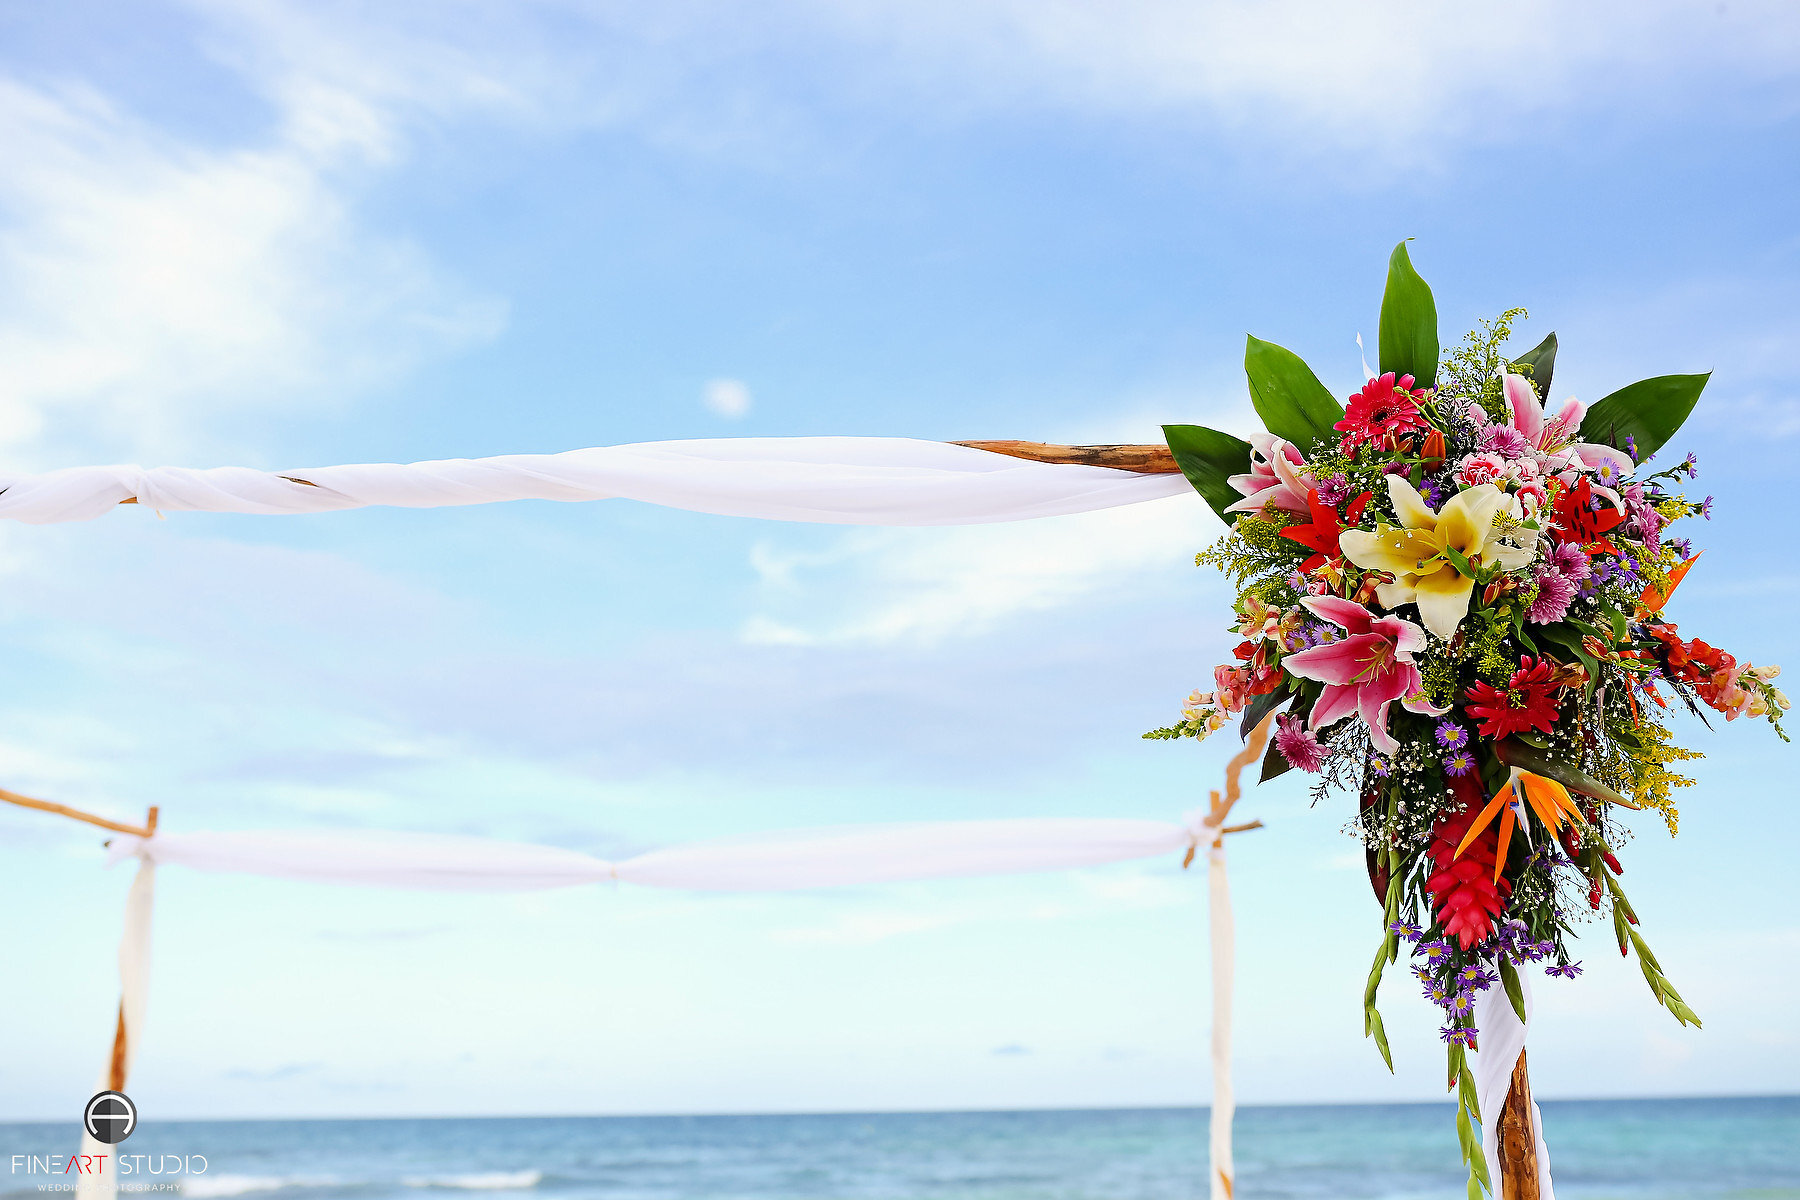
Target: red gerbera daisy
x: 1385, y: 407
x: 1528, y: 702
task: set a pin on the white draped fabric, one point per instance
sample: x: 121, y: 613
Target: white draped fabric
x: 99, y: 1181
x: 1224, y: 956
x: 833, y: 480
x: 1502, y: 1038
x: 817, y: 858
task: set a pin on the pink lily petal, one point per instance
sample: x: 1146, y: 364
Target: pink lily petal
x: 1339, y: 611
x: 1333, y: 705
x: 1379, y: 736
x: 1406, y: 636
x: 1566, y: 421
x: 1528, y: 414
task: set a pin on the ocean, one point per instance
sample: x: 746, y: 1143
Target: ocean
x: 1638, y: 1149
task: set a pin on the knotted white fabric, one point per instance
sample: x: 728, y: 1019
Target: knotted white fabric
x: 1502, y: 1038
x: 833, y: 480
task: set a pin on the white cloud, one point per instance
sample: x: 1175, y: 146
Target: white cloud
x: 930, y: 585
x: 728, y: 398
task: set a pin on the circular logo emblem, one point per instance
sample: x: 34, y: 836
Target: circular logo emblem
x: 110, y: 1117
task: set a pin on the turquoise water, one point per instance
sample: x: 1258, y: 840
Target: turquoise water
x: 1738, y: 1148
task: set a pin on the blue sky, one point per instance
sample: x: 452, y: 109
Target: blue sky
x: 286, y: 235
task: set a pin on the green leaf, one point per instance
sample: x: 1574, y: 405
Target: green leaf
x: 1261, y: 706
x: 1381, y: 1042
x: 1569, y: 638
x: 1515, y: 753
x: 1208, y: 458
x: 1509, y: 979
x: 1289, y: 398
x: 1648, y: 411
x: 1541, y: 358
x: 1409, y: 324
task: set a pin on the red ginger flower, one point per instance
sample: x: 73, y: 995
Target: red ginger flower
x: 1529, y: 700
x: 1468, y: 896
x: 1385, y: 408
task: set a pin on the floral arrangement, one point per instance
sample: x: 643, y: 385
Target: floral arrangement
x: 1451, y: 595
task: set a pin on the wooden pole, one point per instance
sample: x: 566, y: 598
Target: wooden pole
x: 1518, y: 1140
x: 147, y: 829
x: 1145, y: 460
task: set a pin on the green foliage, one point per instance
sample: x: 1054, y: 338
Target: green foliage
x: 1255, y: 550
x: 1409, y: 324
x: 1648, y: 411
x: 1473, y: 368
x: 1289, y: 398
x: 1208, y: 457
x: 1538, y: 364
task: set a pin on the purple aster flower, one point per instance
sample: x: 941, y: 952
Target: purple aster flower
x: 1380, y: 766
x: 1476, y: 978
x: 1683, y: 547
x: 1459, y: 763
x: 1334, y: 490
x: 1455, y: 1035
x: 1438, y: 993
x: 1298, y: 744
x: 1631, y: 447
x: 1405, y: 929
x: 1434, y: 951
x: 1691, y: 465
x: 1706, y: 508
x: 1565, y: 971
x: 1461, y: 1005
x: 1452, y: 736
x: 1421, y: 972
x: 1607, y: 474
x: 1432, y: 492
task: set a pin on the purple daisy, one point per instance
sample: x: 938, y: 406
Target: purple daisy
x: 1691, y: 465
x: 1438, y: 993
x: 1706, y: 508
x: 1459, y: 763
x: 1380, y: 766
x: 1565, y: 970
x: 1405, y: 929
x: 1475, y: 977
x: 1462, y: 1004
x: 1452, y: 736
x: 1607, y: 474
x: 1434, y: 951
x: 1458, y: 1035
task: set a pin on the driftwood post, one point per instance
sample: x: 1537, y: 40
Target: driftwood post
x: 1517, y: 1145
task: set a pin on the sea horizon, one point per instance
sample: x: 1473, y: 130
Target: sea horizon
x: 1729, y: 1148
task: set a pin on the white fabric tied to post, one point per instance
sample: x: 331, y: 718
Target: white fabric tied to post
x: 1502, y: 1040
x: 832, y: 480
x: 134, y: 991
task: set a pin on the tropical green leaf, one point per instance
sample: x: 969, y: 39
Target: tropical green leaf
x: 1509, y: 979
x: 1208, y: 458
x: 1541, y: 358
x: 1381, y: 1042
x: 1569, y: 638
x: 1409, y: 324
x: 1289, y: 398
x: 1648, y: 412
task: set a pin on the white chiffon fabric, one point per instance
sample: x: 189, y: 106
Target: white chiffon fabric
x: 815, y: 858
x: 1502, y: 1038
x: 832, y: 480
x: 134, y: 994
x: 1224, y: 958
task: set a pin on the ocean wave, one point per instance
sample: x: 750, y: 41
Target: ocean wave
x: 212, y: 1187
x: 484, y: 1181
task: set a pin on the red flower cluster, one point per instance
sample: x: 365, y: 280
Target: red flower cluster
x: 1528, y: 702
x: 1384, y: 409
x: 1321, y: 537
x: 1711, y: 672
x: 1469, y: 900
x: 1256, y: 676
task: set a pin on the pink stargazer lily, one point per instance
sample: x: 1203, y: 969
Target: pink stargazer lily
x: 1364, y: 671
x: 1555, y: 436
x: 1278, y: 475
